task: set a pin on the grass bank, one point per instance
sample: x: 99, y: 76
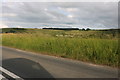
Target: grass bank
x: 68, y: 44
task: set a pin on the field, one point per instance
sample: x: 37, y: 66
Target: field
x: 99, y: 47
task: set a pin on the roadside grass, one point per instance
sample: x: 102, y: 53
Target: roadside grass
x: 100, y: 50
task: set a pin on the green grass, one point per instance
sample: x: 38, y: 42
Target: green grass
x: 100, y: 48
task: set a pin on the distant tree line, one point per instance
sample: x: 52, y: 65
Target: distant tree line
x: 68, y: 29
x: 62, y: 28
x: 83, y: 29
x: 13, y: 30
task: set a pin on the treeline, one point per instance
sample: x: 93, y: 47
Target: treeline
x: 62, y: 28
x: 83, y: 29
x: 110, y: 30
x: 13, y: 30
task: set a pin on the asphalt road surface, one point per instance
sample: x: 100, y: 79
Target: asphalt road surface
x: 24, y: 64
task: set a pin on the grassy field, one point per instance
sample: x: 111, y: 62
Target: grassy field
x: 100, y: 47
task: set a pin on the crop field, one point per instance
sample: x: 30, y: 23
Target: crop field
x: 99, y: 47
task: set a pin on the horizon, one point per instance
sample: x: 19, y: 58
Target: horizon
x: 61, y: 27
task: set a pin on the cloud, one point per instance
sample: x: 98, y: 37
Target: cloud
x: 3, y: 26
x: 8, y: 15
x: 61, y: 14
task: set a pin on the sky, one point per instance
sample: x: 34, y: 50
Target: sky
x: 94, y: 15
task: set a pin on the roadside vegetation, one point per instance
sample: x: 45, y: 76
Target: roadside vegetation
x: 100, y: 47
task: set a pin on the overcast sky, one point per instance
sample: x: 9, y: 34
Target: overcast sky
x: 60, y: 14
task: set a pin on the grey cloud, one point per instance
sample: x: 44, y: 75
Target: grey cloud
x: 88, y: 14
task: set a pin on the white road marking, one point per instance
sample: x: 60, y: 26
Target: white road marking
x: 9, y: 73
x: 1, y: 77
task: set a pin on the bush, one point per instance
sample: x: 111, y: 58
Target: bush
x: 88, y: 29
x: 83, y: 29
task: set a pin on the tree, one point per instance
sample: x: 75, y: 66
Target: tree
x: 88, y: 29
x: 83, y: 29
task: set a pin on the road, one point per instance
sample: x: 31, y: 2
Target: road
x: 32, y: 65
